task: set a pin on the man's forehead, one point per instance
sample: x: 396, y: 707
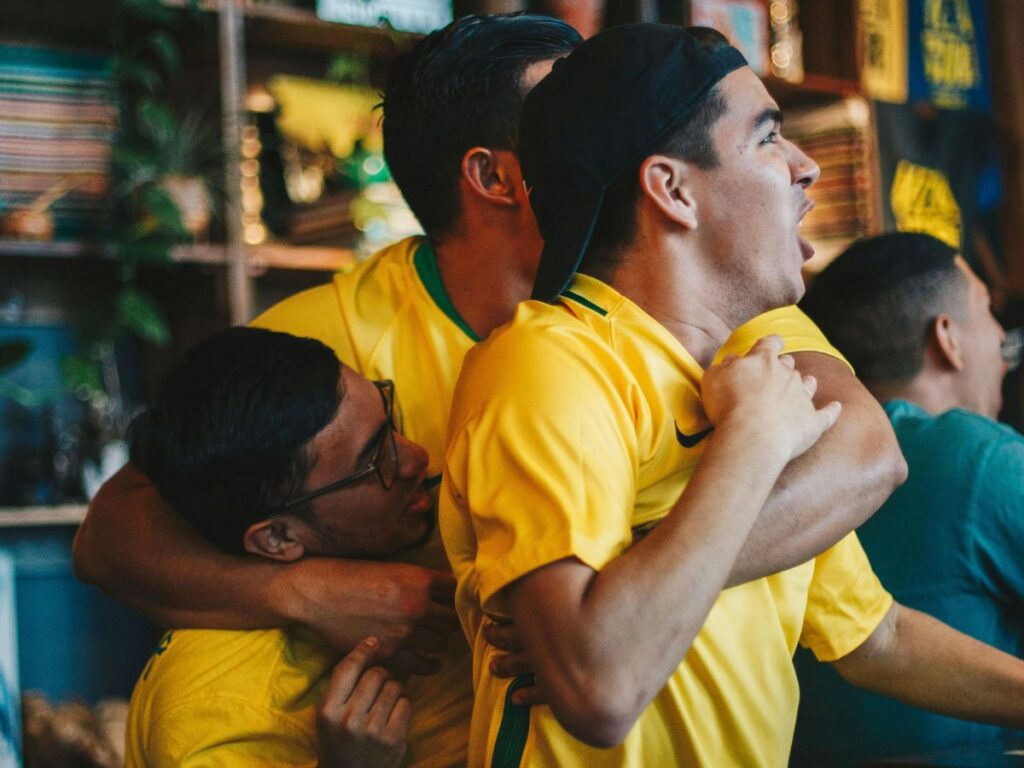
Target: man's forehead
x: 747, y: 99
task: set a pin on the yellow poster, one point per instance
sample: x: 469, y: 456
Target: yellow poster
x: 884, y: 29
x: 922, y: 201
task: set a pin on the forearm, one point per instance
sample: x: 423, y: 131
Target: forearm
x: 923, y: 662
x: 134, y: 547
x: 605, y: 642
x: 832, y: 488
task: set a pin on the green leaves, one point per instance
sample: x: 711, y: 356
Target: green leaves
x: 156, y: 122
x: 137, y: 73
x: 82, y: 375
x: 165, y: 50
x: 137, y: 312
x: 158, y: 203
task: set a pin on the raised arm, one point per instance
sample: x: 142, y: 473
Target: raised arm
x: 580, y: 625
x: 921, y: 661
x: 133, y: 546
x: 833, y: 487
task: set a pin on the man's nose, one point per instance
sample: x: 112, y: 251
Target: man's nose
x: 412, y: 458
x: 804, y: 170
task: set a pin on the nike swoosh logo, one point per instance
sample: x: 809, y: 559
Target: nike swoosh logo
x: 689, y: 441
x: 431, y: 482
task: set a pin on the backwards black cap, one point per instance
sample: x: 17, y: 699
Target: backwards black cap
x: 600, y: 110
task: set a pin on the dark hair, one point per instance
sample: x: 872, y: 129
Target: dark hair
x: 690, y: 140
x: 876, y: 300
x: 460, y: 87
x: 227, y: 437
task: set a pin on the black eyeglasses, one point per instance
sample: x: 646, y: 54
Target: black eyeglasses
x: 385, y: 455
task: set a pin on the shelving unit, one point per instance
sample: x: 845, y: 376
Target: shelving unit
x: 284, y: 26
x: 260, y: 257
x: 32, y: 517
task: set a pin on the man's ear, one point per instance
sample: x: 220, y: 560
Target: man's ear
x: 493, y: 175
x: 666, y: 181
x: 948, y: 345
x: 274, y: 538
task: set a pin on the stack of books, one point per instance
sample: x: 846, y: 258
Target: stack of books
x: 838, y: 137
x: 58, y: 120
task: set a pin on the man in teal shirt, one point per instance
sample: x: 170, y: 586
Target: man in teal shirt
x: 916, y: 324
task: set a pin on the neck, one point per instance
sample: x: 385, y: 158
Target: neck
x: 935, y: 395
x: 484, y: 276
x: 682, y: 299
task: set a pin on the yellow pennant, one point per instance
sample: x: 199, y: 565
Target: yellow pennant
x: 922, y: 201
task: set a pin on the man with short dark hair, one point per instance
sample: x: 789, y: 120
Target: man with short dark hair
x: 266, y: 444
x: 915, y: 321
x: 610, y: 457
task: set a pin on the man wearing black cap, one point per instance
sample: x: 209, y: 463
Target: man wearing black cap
x: 602, y: 481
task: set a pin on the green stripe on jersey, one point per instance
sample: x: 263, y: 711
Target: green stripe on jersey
x: 426, y: 267
x: 585, y: 302
x: 514, y: 728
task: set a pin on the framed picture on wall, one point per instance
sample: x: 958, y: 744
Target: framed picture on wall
x: 744, y: 22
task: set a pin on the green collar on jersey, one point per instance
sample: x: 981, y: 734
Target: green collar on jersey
x: 426, y: 267
x: 585, y: 302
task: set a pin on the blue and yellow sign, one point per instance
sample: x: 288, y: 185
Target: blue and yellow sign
x: 947, y: 53
x: 927, y: 50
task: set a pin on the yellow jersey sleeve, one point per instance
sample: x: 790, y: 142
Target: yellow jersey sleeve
x: 798, y: 331
x: 218, y: 732
x: 845, y: 602
x: 315, y: 313
x: 540, y: 466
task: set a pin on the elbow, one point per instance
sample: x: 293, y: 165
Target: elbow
x: 598, y: 727
x: 599, y: 716
x: 880, y: 467
x: 891, y: 469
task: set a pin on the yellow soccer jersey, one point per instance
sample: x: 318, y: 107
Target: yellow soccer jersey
x: 230, y: 699
x: 575, y: 429
x: 390, y: 318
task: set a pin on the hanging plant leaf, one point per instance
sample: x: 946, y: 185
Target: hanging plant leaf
x: 161, y: 206
x: 13, y: 352
x: 139, y: 314
x: 157, y: 122
x: 134, y: 72
x: 166, y: 51
x: 82, y: 375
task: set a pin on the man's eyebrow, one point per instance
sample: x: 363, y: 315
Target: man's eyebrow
x: 770, y: 115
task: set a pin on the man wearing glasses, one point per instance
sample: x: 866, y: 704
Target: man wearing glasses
x: 265, y: 444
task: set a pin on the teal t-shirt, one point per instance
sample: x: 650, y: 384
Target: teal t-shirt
x: 949, y: 542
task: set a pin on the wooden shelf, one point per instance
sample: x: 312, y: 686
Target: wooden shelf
x: 813, y: 89
x: 54, y: 249
x: 269, y: 24
x: 261, y: 257
x: 28, y: 517
x: 272, y: 256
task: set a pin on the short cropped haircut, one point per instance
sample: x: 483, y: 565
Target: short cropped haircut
x: 690, y: 140
x: 875, y: 302
x: 227, y: 438
x: 458, y: 88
